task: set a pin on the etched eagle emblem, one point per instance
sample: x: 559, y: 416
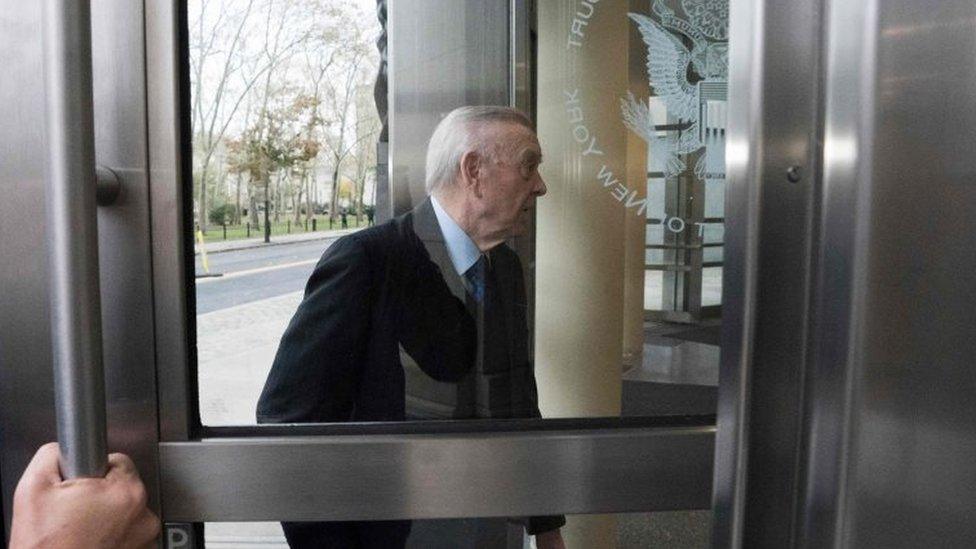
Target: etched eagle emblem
x: 674, y: 71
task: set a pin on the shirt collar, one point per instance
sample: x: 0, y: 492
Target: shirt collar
x: 463, y: 251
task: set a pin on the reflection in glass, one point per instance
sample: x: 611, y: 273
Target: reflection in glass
x: 683, y: 123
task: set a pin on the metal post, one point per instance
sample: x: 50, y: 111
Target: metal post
x: 76, y: 323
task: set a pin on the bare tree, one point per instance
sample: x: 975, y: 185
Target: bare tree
x: 245, y: 83
x: 342, y: 140
x: 319, y: 58
x: 225, y: 40
x: 218, y: 39
x: 364, y: 158
x: 281, y: 42
x: 271, y: 149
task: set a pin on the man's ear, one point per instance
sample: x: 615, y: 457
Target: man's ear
x: 471, y: 171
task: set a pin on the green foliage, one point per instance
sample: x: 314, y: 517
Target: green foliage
x: 222, y: 214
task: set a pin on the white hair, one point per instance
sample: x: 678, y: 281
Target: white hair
x: 457, y: 134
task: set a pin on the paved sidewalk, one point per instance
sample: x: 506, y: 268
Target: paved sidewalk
x: 235, y: 349
x: 276, y: 240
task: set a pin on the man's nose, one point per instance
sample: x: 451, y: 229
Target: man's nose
x: 540, y: 186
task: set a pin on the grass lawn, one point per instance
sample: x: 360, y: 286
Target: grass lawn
x: 216, y: 233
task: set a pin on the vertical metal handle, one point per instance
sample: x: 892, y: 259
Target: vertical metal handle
x: 76, y: 331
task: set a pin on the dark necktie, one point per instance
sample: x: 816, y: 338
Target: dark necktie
x: 495, y: 385
x: 475, y: 276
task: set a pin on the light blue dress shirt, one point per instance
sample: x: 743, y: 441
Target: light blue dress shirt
x: 462, y: 250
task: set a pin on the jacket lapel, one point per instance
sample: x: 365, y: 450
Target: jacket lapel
x: 429, y: 232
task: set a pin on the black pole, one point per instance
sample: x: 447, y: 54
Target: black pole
x: 313, y: 224
x: 225, y: 230
x: 249, y: 229
x: 267, y: 225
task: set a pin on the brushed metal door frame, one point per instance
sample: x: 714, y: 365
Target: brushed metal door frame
x: 892, y: 420
x: 775, y: 107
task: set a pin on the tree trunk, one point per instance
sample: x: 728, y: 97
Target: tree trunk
x: 253, y: 209
x: 297, y: 203
x: 335, y: 192
x: 267, y: 207
x: 202, y: 219
x: 277, y: 199
x: 315, y: 185
x: 308, y: 197
x: 359, y: 200
x: 237, y: 202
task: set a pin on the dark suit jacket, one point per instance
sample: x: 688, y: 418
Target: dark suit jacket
x: 339, y: 358
x: 494, y: 388
x: 373, y: 292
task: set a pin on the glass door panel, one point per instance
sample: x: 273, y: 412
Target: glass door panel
x: 264, y: 203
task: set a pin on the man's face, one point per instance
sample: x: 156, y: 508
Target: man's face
x: 511, y: 181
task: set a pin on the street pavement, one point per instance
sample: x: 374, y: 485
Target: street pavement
x: 240, y: 319
x: 235, y: 349
x: 252, y: 274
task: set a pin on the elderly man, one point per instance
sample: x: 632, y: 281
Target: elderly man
x: 436, y: 288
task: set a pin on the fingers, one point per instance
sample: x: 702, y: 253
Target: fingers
x: 145, y: 525
x: 43, y: 469
x: 124, y: 476
x: 121, y: 467
x: 144, y: 531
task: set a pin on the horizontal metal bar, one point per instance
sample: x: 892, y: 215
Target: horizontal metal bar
x: 386, y: 477
x: 669, y: 316
x: 658, y: 220
x: 683, y: 246
x: 662, y: 175
x: 453, y: 426
x: 680, y: 268
x: 679, y: 127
